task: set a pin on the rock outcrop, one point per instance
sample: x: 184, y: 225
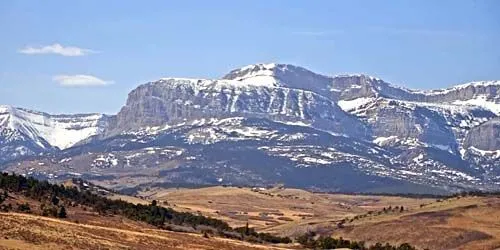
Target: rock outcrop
x: 485, y: 136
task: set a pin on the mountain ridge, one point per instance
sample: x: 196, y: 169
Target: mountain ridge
x: 445, y: 137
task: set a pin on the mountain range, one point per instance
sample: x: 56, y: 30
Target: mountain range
x: 265, y: 124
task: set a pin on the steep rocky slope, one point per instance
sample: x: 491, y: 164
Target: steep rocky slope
x: 485, y: 136
x: 170, y: 101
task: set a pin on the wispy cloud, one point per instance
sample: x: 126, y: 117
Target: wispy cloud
x: 80, y: 80
x: 56, y: 48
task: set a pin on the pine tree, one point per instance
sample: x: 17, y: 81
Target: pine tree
x: 54, y: 200
x: 62, y: 212
x: 247, y: 229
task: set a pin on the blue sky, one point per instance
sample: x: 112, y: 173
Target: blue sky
x: 49, y: 46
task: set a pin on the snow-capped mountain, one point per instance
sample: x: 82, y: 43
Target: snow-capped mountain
x: 270, y: 123
x: 25, y: 132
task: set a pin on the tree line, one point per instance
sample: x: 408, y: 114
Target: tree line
x: 311, y: 240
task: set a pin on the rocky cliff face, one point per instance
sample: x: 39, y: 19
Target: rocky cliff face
x: 485, y: 136
x: 410, y: 122
x: 171, y: 101
x: 485, y: 91
x: 484, y: 94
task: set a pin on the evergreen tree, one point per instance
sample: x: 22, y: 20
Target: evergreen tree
x: 23, y: 207
x: 54, y: 200
x: 62, y: 212
x: 247, y: 230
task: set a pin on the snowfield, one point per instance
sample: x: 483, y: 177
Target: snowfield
x: 62, y: 131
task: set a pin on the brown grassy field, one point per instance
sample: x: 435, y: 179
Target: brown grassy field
x: 464, y: 223
x: 278, y: 210
x: 87, y: 229
x: 26, y: 231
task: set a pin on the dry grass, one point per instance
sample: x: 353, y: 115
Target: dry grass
x: 279, y: 210
x: 86, y: 229
x: 466, y: 223
x: 24, y: 231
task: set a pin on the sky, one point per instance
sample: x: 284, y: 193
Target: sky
x: 86, y: 56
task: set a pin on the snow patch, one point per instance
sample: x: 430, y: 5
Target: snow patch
x: 481, y: 101
x: 442, y: 147
x: 354, y: 104
x: 384, y: 140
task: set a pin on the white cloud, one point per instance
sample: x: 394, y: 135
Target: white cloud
x: 56, y: 49
x: 80, y: 80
